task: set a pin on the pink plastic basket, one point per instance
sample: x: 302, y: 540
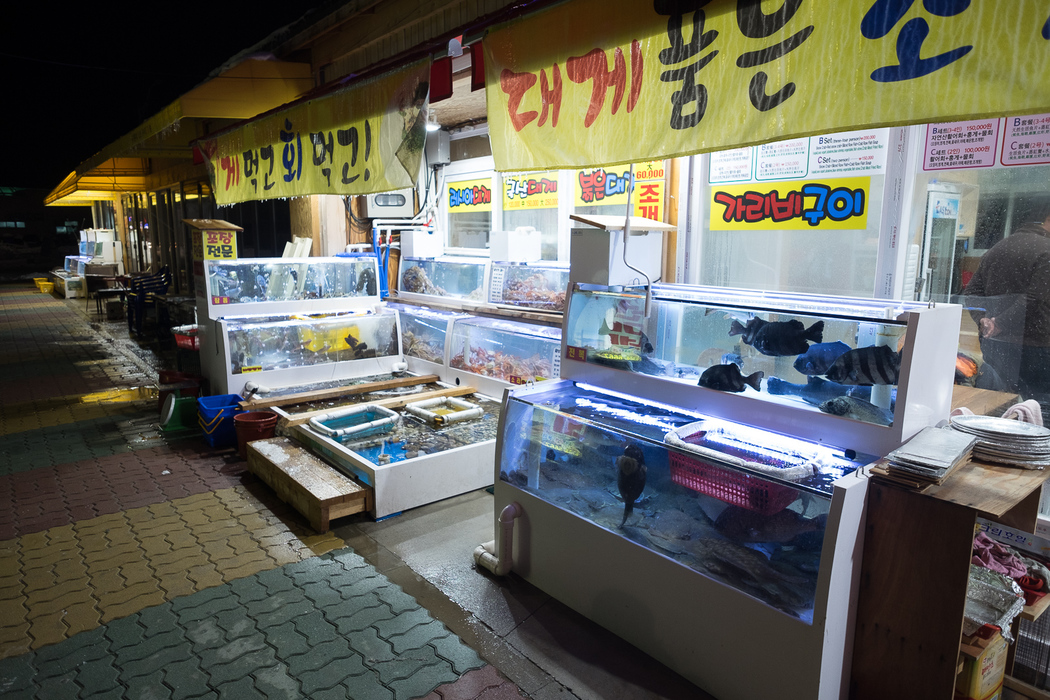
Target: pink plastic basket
x: 729, y: 485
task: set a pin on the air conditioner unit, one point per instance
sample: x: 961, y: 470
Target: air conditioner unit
x: 399, y: 204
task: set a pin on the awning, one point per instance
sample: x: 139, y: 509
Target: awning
x: 243, y: 91
x: 360, y: 137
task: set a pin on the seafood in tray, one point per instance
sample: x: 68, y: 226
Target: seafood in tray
x: 501, y: 365
x: 510, y: 351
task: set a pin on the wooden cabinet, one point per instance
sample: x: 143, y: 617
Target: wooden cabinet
x: 917, y: 548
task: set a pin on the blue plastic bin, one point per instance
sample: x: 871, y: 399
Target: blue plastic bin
x: 215, y: 417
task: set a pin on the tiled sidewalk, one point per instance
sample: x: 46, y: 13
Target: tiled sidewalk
x: 135, y: 564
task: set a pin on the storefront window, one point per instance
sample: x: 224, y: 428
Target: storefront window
x: 531, y: 201
x: 802, y: 215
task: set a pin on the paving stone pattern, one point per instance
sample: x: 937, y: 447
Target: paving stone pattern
x: 137, y: 564
x: 326, y: 627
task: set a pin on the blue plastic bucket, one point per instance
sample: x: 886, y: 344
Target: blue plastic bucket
x: 215, y: 417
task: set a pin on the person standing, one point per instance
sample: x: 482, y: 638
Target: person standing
x: 1014, y: 322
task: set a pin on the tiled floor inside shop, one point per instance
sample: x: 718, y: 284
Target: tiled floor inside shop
x: 139, y: 564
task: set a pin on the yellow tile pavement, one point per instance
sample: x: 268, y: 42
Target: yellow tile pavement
x: 70, y: 579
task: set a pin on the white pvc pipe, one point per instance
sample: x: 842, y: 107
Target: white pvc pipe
x: 499, y: 560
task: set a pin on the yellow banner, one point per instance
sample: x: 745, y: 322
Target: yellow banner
x: 363, y: 139
x: 829, y: 204
x: 469, y: 195
x: 532, y: 191
x: 588, y: 83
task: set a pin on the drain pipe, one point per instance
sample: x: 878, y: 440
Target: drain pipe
x: 499, y: 561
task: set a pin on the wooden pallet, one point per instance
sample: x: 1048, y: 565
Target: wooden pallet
x: 306, y: 483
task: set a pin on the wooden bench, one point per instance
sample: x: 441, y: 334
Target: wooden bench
x: 306, y: 483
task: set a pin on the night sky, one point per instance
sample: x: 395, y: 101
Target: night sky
x: 75, y: 79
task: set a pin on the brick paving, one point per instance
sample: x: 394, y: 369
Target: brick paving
x: 136, y: 564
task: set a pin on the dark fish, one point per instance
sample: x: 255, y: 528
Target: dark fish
x: 748, y: 526
x: 778, y: 338
x: 820, y: 357
x: 630, y: 479
x: 857, y: 409
x: 876, y: 364
x: 729, y: 378
x: 645, y: 346
x: 816, y: 390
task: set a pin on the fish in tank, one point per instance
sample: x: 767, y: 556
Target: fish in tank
x: 799, y: 359
x: 604, y: 458
x: 276, y: 342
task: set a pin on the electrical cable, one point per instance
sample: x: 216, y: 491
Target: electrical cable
x: 626, y: 237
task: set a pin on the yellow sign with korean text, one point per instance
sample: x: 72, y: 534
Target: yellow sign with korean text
x: 213, y: 245
x: 590, y: 83
x: 469, y: 195
x: 803, y: 204
x: 608, y: 187
x: 365, y: 138
x: 530, y: 191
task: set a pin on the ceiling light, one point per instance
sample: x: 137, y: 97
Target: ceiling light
x: 432, y: 122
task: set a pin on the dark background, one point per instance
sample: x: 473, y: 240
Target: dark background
x: 76, y: 77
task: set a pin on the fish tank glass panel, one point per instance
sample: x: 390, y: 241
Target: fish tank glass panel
x: 837, y: 359
x: 249, y: 281
x: 423, y: 331
x: 506, y: 350
x: 264, y: 343
x: 606, y: 459
x: 460, y: 278
x: 529, y: 286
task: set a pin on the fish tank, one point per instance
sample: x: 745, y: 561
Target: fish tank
x: 846, y: 362
x: 448, y: 277
x: 508, y: 352
x: 744, y: 508
x: 279, y: 350
x: 423, y: 331
x: 260, y: 280
x: 263, y: 343
x: 537, y: 286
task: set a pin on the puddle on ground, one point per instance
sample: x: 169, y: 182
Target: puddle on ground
x: 126, y: 395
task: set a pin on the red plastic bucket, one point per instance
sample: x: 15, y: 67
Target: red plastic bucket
x: 253, y: 425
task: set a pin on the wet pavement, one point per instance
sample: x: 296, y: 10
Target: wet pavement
x: 136, y: 563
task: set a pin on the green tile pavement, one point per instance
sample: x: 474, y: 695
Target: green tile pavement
x: 328, y: 626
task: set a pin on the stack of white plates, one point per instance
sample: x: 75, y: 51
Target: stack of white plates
x: 1007, y: 441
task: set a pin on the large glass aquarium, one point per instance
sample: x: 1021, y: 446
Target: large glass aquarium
x: 729, y: 501
x: 539, y: 286
x: 509, y: 351
x: 424, y: 331
x: 849, y: 359
x: 250, y: 281
x: 446, y: 276
x: 266, y: 343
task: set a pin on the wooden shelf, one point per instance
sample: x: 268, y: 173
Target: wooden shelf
x: 1034, y: 612
x: 916, y: 537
